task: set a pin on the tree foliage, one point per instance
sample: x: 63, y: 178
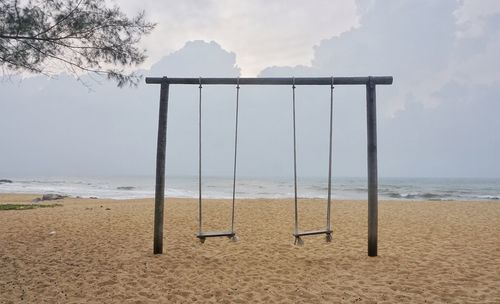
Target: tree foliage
x: 40, y: 36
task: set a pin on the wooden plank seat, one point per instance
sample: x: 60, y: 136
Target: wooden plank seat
x: 300, y: 242
x: 204, y: 235
x: 313, y: 232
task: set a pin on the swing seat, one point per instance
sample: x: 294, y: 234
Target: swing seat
x: 313, y: 232
x: 204, y: 235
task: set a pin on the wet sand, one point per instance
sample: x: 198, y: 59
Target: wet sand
x: 100, y: 251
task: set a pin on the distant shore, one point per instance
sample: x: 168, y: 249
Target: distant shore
x: 100, y: 250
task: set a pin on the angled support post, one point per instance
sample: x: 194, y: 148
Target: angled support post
x: 371, y: 119
x: 160, y: 169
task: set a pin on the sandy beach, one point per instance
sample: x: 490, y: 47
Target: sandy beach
x: 100, y: 251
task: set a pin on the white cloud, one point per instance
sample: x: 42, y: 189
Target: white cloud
x: 262, y: 33
x: 470, y: 16
x: 444, y: 99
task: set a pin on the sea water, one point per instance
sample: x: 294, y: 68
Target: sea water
x: 442, y: 189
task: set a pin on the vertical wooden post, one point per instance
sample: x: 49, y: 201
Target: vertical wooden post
x: 371, y: 118
x: 160, y: 170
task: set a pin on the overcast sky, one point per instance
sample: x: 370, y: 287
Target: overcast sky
x: 262, y: 33
x: 438, y: 119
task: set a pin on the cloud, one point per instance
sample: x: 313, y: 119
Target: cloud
x: 410, y: 40
x: 475, y: 59
x: 456, y: 138
x: 198, y: 58
x: 57, y: 127
x: 262, y: 33
x: 437, y: 119
x: 471, y: 17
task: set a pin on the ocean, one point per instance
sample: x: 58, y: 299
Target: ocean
x: 439, y: 189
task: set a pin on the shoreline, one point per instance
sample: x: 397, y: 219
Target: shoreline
x: 343, y: 188
x: 380, y: 200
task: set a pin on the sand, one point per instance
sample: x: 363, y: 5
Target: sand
x: 100, y: 251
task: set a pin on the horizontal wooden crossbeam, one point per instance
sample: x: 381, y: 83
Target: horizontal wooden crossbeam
x: 384, y: 80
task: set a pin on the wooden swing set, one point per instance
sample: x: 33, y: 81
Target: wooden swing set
x: 370, y: 82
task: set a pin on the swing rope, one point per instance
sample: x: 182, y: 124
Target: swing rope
x: 329, y: 199
x: 235, y: 149
x: 199, y: 164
